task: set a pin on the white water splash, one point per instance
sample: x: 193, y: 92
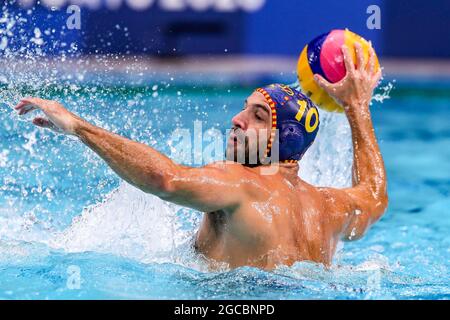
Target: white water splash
x: 128, y: 223
x: 328, y: 161
x: 383, y: 92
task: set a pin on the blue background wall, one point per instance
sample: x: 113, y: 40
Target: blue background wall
x: 284, y: 27
x: 417, y: 28
x: 409, y: 28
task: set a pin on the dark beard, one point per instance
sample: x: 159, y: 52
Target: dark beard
x: 247, y: 162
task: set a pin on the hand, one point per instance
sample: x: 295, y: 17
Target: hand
x: 58, y: 118
x: 356, y: 88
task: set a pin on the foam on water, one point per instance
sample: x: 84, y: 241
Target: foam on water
x: 131, y: 224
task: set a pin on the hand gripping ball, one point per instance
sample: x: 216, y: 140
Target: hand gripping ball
x: 323, y: 55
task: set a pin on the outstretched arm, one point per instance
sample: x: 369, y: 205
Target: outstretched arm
x: 210, y: 188
x: 364, y: 203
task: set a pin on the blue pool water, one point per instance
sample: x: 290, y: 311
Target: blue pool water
x: 70, y: 229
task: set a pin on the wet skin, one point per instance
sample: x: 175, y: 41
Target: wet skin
x: 253, y: 217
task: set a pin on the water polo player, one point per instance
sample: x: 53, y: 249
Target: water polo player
x: 254, y: 216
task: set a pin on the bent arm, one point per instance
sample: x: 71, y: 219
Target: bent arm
x: 368, y: 194
x: 358, y: 207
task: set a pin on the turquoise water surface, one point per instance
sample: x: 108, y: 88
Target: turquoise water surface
x: 70, y: 229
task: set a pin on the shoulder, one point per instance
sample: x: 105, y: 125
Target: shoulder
x: 225, y: 165
x: 249, y: 180
x: 233, y: 169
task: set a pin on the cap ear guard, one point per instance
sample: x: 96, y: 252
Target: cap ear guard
x: 295, y: 118
x: 291, y: 139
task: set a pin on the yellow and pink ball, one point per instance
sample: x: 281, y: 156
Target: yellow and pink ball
x: 323, y: 56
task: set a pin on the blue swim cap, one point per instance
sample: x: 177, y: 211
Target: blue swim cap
x: 296, y: 118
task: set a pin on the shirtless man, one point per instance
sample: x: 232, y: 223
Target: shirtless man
x: 251, y: 217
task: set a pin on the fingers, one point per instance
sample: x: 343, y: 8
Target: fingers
x: 360, y: 65
x: 22, y: 103
x: 42, y: 122
x: 29, y: 104
x: 371, y: 64
x: 376, y: 79
x: 25, y: 108
x: 45, y: 123
x: 25, y: 101
x: 322, y: 82
x: 348, y: 60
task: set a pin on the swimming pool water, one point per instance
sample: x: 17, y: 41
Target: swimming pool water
x: 64, y: 216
